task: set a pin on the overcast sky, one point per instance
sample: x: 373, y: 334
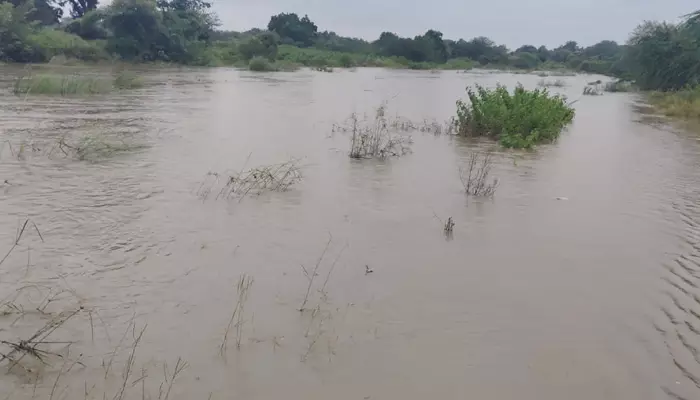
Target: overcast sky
x: 509, y: 22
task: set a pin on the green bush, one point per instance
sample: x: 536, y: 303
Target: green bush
x: 518, y: 120
x: 260, y: 64
x: 49, y: 43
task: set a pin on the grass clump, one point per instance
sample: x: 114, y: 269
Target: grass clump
x: 518, y: 120
x: 682, y: 103
x: 62, y: 85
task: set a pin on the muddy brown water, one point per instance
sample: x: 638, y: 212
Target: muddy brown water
x: 593, y: 297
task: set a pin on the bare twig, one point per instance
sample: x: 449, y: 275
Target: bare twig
x: 314, y: 273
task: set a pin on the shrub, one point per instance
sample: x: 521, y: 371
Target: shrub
x: 518, y: 120
x: 260, y: 64
x: 346, y: 61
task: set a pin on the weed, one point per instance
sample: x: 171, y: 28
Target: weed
x: 245, y: 282
x: 475, y: 177
x: 268, y: 178
x: 519, y: 120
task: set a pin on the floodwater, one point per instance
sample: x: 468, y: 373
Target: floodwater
x: 594, y: 296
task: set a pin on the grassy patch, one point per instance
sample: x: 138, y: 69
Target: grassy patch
x: 74, y: 84
x: 61, y: 85
x: 127, y: 80
x: 682, y: 104
x: 520, y: 120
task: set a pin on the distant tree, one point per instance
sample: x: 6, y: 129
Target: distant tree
x: 524, y: 60
x: 543, y: 53
x: 292, y: 29
x: 526, y: 49
x: 78, y: 8
x: 604, y: 50
x: 45, y: 12
x: 571, y: 46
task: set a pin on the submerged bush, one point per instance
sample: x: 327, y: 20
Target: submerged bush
x: 63, y: 85
x: 556, y: 83
x: 75, y: 84
x: 592, y: 90
x: 260, y: 64
x: 518, y: 120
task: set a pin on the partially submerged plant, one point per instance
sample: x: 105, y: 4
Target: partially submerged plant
x: 521, y: 119
x: 62, y: 85
x: 592, y: 91
x: 245, y: 282
x: 555, y: 83
x: 268, y: 178
x: 475, y: 177
x: 376, y: 139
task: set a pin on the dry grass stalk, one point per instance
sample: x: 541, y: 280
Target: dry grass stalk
x: 22, y: 348
x: 256, y: 181
x: 245, y: 282
x: 475, y: 177
x: 314, y: 274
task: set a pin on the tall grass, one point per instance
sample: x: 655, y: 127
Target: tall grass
x: 63, y: 85
x: 74, y: 84
x: 518, y: 120
x: 683, y: 103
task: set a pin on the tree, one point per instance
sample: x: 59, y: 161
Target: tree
x: 290, y: 28
x: 527, y: 49
x: 663, y: 56
x: 45, y: 12
x: 78, y: 8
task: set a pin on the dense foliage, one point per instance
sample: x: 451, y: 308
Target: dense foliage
x: 658, y: 56
x: 520, y: 119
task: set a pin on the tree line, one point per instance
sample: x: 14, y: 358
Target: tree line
x: 658, y: 55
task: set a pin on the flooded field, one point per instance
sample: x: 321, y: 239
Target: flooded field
x: 580, y: 279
